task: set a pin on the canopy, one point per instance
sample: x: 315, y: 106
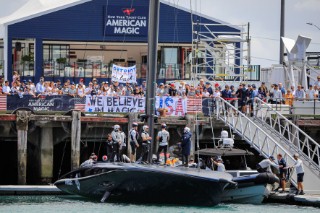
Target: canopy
x: 19, y: 10
x: 223, y: 152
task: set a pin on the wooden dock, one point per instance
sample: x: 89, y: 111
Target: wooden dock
x: 292, y: 199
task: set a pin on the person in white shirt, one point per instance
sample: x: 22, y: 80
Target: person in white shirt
x: 89, y: 89
x: 310, y: 93
x: 298, y: 165
x: 6, y: 88
x: 163, y: 138
x: 216, y: 93
x: 277, y: 95
x: 264, y: 165
x: 40, y: 86
x: 219, y: 164
x: 300, y: 94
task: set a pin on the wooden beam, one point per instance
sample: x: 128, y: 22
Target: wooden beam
x: 315, y: 123
x: 104, y: 119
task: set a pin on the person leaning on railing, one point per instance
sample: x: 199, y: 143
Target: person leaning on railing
x: 311, y: 93
x: 277, y: 95
x: 300, y: 94
x: 289, y: 98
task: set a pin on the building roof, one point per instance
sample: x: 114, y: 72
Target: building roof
x: 16, y: 11
x: 21, y: 10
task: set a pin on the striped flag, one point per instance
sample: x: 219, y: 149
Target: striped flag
x: 3, y: 103
x: 194, y: 105
x: 80, y: 103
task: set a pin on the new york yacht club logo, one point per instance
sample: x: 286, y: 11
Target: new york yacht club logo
x: 128, y: 11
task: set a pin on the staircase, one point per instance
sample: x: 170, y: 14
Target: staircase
x: 271, y: 133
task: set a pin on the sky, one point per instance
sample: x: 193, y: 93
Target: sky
x: 264, y: 19
x: 263, y: 16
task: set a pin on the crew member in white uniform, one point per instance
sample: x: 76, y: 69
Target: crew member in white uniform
x: 298, y: 165
x: 163, y: 138
x: 264, y: 165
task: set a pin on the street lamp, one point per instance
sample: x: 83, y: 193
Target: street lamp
x: 309, y: 23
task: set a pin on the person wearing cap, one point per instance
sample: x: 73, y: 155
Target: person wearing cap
x: 163, y: 138
x: 186, y: 145
x: 219, y: 164
x: 283, y: 171
x: 250, y: 99
x: 209, y: 88
x: 172, y: 90
x: 92, y: 160
x: 146, y: 141
x: 134, y: 135
x: 116, y: 139
x: 264, y: 165
x: 161, y: 91
x: 298, y: 165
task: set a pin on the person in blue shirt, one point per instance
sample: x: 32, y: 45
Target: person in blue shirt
x: 283, y: 171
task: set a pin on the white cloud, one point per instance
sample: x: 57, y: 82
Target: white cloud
x: 305, y: 5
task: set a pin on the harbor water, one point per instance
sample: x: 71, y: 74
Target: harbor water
x: 70, y: 204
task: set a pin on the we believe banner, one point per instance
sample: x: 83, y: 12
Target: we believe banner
x: 96, y: 103
x: 124, y: 74
x: 175, y: 106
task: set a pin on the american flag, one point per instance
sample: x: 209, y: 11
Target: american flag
x: 194, y: 105
x: 80, y: 104
x: 3, y: 103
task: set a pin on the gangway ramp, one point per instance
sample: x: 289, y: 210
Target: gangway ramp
x: 267, y: 142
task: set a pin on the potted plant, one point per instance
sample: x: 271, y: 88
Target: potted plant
x: 26, y: 60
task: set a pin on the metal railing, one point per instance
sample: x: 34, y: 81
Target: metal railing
x: 290, y: 133
x: 252, y: 133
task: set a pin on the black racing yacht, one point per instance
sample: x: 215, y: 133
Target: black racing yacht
x: 135, y: 183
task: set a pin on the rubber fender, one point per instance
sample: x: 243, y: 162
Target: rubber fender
x: 266, y: 177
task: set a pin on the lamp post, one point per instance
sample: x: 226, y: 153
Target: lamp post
x: 309, y: 23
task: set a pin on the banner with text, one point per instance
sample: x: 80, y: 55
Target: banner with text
x: 129, y: 21
x: 96, y: 103
x: 175, y: 106
x: 124, y: 74
x: 44, y: 103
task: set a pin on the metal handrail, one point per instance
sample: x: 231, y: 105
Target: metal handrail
x: 223, y: 109
x: 293, y: 140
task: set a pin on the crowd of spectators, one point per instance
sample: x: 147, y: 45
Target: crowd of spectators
x: 244, y: 93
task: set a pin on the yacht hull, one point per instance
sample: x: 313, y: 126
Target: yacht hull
x: 148, y: 184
